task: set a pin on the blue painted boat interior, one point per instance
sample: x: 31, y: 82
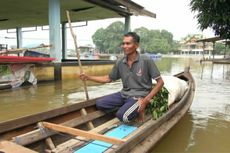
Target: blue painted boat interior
x: 97, y: 146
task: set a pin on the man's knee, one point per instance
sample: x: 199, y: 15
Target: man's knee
x: 123, y: 117
x: 119, y: 115
x: 99, y: 105
x: 127, y: 115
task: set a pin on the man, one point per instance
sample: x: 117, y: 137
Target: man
x: 136, y: 73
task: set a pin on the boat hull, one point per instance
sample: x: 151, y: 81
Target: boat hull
x: 21, y: 131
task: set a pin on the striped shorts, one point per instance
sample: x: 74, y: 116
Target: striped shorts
x: 127, y: 107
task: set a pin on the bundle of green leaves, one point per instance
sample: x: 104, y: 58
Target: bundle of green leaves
x: 158, y: 105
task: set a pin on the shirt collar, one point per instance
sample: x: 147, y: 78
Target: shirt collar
x: 137, y: 58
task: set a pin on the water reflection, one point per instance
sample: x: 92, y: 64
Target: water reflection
x: 28, y: 100
x: 45, y: 96
x: 181, y: 134
x: 209, y: 135
x: 217, y: 71
x: 95, y: 91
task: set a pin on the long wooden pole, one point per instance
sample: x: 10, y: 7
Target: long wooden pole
x: 78, y: 53
x: 83, y: 111
x: 78, y: 132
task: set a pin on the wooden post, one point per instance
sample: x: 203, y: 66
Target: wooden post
x: 48, y: 140
x: 203, y: 49
x: 50, y: 143
x: 78, y: 132
x: 83, y: 111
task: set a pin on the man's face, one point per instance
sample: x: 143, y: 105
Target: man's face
x: 128, y: 45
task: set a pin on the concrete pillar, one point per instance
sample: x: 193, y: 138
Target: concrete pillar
x: 127, y: 24
x: 55, y: 36
x: 64, y: 41
x: 54, y: 29
x: 57, y: 71
x: 19, y: 37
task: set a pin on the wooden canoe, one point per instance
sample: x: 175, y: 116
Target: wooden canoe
x: 65, y: 129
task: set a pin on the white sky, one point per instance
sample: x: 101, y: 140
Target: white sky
x: 174, y: 16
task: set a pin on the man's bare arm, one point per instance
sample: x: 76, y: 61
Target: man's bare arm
x: 143, y: 102
x: 99, y: 79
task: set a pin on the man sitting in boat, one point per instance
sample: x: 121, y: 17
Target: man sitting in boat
x: 136, y: 73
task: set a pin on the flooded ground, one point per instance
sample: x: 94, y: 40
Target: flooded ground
x: 204, y: 129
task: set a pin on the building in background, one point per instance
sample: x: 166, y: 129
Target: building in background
x: 190, y: 46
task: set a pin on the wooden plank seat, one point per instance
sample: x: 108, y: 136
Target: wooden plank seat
x: 78, y: 141
x: 78, y: 132
x: 10, y: 147
x: 39, y: 134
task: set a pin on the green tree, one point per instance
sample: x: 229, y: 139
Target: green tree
x: 109, y: 39
x: 115, y: 32
x: 219, y: 48
x: 214, y: 14
x: 144, y: 38
x: 175, y: 47
x: 152, y: 41
x: 168, y: 36
x: 155, y: 41
x: 98, y: 39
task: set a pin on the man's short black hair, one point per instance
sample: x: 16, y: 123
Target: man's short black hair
x: 134, y: 35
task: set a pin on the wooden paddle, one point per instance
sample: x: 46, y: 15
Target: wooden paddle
x: 83, y: 111
x: 82, y: 133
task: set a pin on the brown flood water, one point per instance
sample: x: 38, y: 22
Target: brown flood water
x: 204, y: 129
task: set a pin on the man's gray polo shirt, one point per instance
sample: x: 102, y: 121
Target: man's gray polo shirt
x: 137, y: 80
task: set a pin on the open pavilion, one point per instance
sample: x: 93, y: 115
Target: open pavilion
x: 32, y: 13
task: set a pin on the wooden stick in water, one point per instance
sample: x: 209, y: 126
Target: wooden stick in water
x: 83, y: 111
x: 78, y: 53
